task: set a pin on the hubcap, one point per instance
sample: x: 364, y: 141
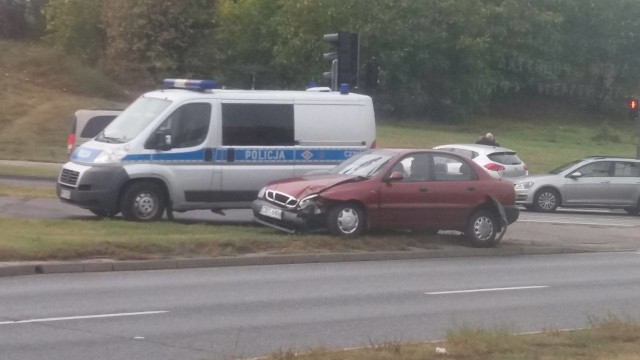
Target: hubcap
x: 348, y: 221
x: 145, y: 205
x: 483, y: 228
x: 547, y: 201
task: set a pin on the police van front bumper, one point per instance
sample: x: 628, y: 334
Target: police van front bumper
x: 89, y: 187
x: 282, y: 218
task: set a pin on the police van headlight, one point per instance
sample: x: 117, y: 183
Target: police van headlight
x: 261, y: 192
x: 111, y: 156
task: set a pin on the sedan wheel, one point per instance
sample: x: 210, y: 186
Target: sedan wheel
x: 546, y: 200
x: 346, y: 220
x: 482, y: 229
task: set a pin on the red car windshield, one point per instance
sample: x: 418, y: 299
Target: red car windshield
x: 365, y: 164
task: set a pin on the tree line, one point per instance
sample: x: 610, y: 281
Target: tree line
x: 438, y: 58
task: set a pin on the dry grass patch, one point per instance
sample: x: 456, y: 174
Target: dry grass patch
x: 28, y: 239
x: 607, y: 339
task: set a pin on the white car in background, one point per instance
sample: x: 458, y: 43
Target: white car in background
x: 87, y: 124
x: 498, y: 161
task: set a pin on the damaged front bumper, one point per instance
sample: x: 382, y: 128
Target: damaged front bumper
x: 287, y: 219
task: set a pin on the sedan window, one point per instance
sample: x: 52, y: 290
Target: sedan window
x: 596, y: 169
x: 564, y: 167
x: 449, y: 168
x: 626, y: 169
x: 419, y: 169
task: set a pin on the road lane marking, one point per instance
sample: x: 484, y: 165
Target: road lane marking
x: 486, y: 290
x: 82, y: 317
x: 573, y: 222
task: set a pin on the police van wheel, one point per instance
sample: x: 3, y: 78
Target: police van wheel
x: 346, y: 220
x: 143, y: 201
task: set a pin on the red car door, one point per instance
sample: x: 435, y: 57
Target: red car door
x: 406, y: 202
x: 453, y: 192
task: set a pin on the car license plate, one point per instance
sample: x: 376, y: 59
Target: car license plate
x: 271, y: 212
x: 65, y: 194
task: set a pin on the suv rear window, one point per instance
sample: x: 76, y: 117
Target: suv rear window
x: 505, y: 158
x: 95, y: 125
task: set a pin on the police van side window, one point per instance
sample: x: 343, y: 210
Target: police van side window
x: 257, y: 124
x: 188, y: 125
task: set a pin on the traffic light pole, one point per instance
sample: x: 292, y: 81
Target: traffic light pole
x: 633, y: 104
x: 638, y: 146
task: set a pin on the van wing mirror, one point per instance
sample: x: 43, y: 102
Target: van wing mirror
x: 162, y: 140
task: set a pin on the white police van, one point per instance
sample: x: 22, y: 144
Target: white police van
x: 194, y: 146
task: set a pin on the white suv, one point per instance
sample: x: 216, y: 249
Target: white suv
x: 498, y: 161
x: 87, y: 124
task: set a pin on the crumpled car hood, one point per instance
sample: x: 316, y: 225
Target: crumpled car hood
x: 304, y: 186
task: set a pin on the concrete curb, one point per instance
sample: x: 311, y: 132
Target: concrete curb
x: 33, y: 268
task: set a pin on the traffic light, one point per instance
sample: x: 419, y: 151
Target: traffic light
x: 346, y: 51
x: 633, y: 105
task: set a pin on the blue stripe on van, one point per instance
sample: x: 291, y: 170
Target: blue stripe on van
x: 256, y: 155
x: 197, y: 155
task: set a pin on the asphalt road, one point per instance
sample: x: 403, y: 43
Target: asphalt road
x: 227, y: 313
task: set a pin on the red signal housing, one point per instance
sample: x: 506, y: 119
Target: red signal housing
x: 633, y: 104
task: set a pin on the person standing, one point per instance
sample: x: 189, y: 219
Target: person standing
x: 488, y: 139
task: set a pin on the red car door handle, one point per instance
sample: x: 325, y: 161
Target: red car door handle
x: 423, y: 189
x: 471, y: 188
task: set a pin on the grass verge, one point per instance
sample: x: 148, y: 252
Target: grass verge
x: 608, y: 338
x: 27, y: 191
x: 32, y: 170
x: 26, y: 239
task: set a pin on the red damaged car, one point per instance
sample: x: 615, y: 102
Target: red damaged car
x: 393, y: 188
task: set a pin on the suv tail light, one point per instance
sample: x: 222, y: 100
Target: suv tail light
x: 71, y: 142
x: 494, y: 167
x: 373, y: 144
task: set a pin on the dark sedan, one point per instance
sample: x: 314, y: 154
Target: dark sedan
x: 394, y: 188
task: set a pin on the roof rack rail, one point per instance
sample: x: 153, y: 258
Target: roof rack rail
x: 609, y: 156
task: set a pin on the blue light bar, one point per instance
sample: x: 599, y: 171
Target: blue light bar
x: 344, y: 89
x: 190, y: 84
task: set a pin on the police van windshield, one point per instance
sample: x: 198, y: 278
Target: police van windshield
x: 364, y: 164
x: 133, y: 120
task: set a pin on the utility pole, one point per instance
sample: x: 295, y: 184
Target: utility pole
x: 633, y: 104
